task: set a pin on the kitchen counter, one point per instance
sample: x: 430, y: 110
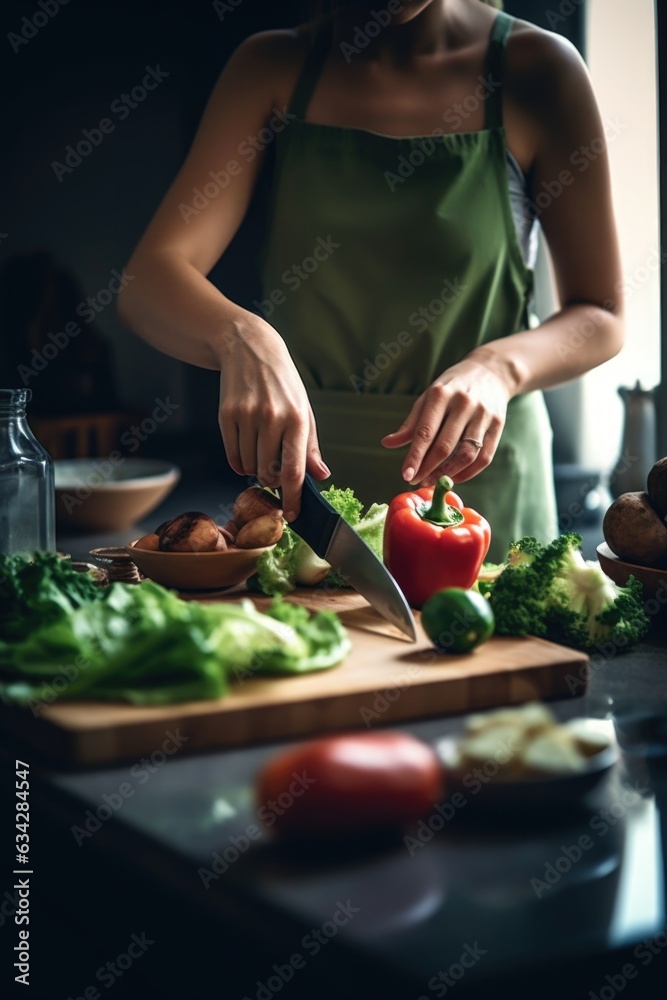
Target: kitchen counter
x: 548, y: 902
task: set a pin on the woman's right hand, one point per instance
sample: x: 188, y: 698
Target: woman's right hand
x: 267, y: 424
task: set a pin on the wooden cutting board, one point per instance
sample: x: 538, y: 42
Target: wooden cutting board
x: 385, y: 678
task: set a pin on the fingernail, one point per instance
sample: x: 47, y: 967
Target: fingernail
x: 408, y: 474
x: 325, y: 469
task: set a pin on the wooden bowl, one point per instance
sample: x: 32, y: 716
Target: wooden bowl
x: 101, y: 495
x: 652, y: 580
x: 196, y: 570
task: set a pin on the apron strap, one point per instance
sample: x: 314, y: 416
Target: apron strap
x: 495, y: 68
x: 310, y: 72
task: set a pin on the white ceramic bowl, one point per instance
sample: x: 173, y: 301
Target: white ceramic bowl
x: 97, y: 494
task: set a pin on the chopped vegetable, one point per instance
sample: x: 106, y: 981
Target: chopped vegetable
x: 527, y: 743
x: 292, y: 562
x: 349, y: 784
x: 431, y: 541
x: 276, y: 568
x: 36, y: 591
x: 145, y: 645
x: 344, y: 503
x: 487, y: 576
x: 371, y: 527
x: 289, y: 563
x: 552, y: 592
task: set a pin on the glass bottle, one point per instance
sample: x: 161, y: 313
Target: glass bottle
x: 27, y: 494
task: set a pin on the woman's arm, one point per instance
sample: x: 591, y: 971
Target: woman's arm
x: 266, y: 421
x: 170, y: 302
x: 552, y: 100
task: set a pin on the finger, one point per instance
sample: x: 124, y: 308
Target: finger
x: 248, y: 447
x: 294, y: 446
x: 426, y: 428
x: 470, y: 445
x: 403, y: 436
x: 230, y: 440
x: 486, y: 454
x: 464, y: 456
x: 315, y: 464
x: 268, y: 455
x: 447, y: 437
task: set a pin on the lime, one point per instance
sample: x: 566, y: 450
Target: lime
x: 457, y: 620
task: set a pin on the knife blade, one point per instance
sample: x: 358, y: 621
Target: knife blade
x: 334, y: 540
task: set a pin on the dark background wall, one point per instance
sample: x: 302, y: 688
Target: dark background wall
x: 65, y: 79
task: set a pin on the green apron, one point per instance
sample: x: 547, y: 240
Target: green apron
x: 388, y: 260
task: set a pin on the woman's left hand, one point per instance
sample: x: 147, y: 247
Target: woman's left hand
x: 455, y: 425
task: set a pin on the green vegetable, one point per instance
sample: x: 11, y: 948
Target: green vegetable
x: 552, y: 592
x: 275, y: 567
x: 344, y: 503
x: 292, y: 562
x: 487, y: 576
x: 145, y: 645
x: 40, y: 590
x: 457, y: 620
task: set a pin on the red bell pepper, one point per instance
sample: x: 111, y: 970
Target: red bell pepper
x: 431, y: 541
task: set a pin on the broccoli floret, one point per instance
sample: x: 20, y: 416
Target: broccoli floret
x: 552, y: 592
x: 523, y: 552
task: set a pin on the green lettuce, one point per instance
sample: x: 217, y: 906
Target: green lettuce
x: 292, y: 562
x: 145, y: 645
x: 40, y: 589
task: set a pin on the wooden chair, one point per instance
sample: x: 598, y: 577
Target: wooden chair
x: 91, y: 435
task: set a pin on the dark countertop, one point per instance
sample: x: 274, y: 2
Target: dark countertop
x: 511, y: 903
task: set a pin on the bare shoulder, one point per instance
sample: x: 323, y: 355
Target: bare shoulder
x: 545, y: 71
x: 272, y: 58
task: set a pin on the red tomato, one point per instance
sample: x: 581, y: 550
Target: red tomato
x: 349, y: 783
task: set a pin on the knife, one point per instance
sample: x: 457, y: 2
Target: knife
x: 332, y: 539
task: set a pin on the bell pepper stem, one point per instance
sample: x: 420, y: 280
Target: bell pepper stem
x: 440, y: 512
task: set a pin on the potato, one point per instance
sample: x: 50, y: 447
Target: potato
x: 532, y: 718
x: 149, y: 542
x: 656, y: 486
x: 190, y: 532
x: 221, y: 544
x: 229, y: 530
x: 525, y: 743
x: 252, y: 504
x: 261, y: 531
x: 589, y: 741
x: 499, y: 748
x: 634, y: 530
x: 552, y: 753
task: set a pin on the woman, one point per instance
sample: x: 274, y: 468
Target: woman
x: 415, y: 147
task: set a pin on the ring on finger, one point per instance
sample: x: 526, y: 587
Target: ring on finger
x: 473, y: 441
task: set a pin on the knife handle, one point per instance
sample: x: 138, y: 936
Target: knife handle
x: 317, y: 519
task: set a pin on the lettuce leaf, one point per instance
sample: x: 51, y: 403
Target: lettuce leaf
x: 40, y: 589
x: 143, y: 644
x: 292, y: 562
